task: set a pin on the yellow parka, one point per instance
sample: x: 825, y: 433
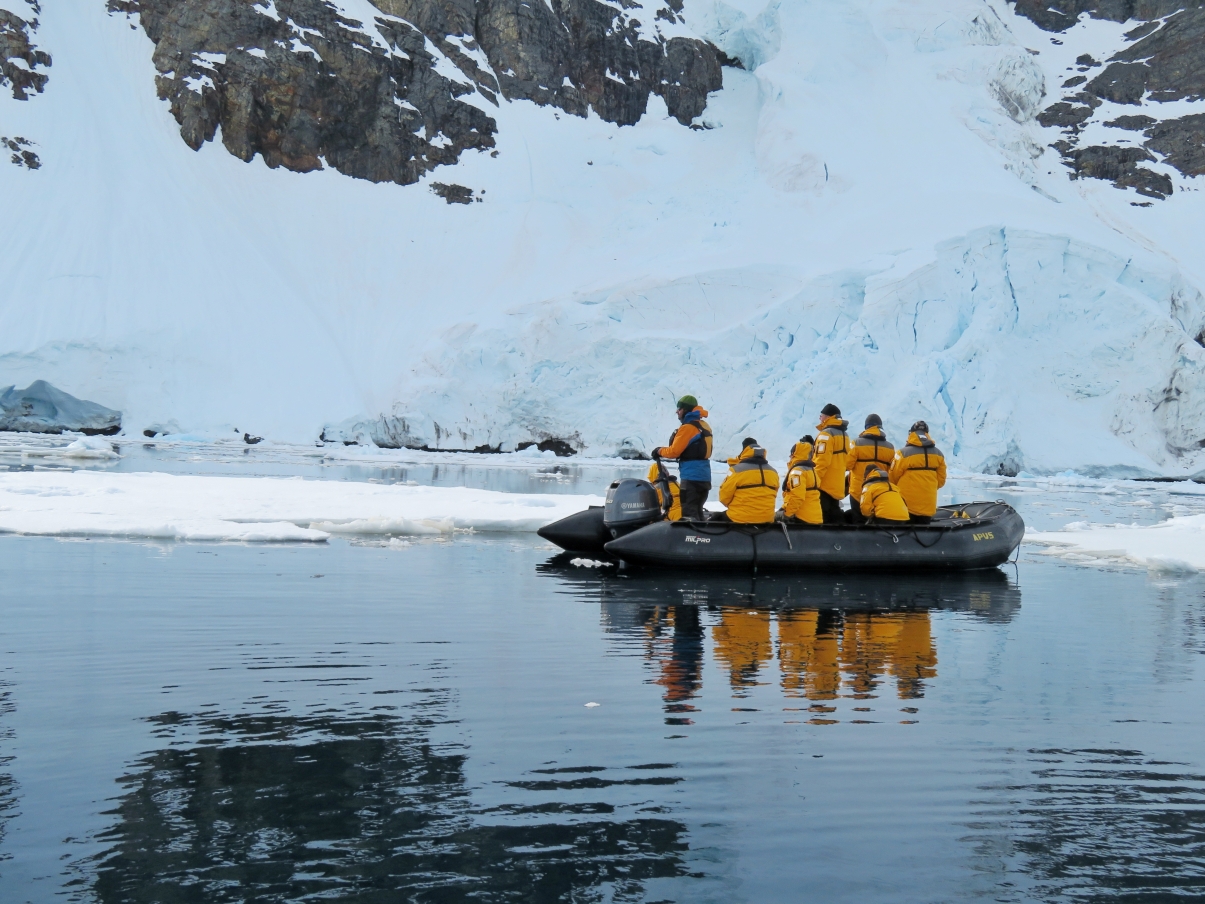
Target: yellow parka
x: 675, y: 492
x: 919, y: 470
x: 832, y: 456
x: 871, y: 447
x: 751, y: 490
x: 881, y: 500
x: 800, y: 489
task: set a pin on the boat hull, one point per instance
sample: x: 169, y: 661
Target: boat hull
x: 961, y: 537
x: 583, y: 532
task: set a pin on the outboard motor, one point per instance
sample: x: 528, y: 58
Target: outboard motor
x: 630, y: 504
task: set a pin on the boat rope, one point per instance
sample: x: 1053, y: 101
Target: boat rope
x: 786, y: 533
x: 941, y: 532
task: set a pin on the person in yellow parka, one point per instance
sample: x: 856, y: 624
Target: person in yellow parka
x: 881, y: 501
x: 831, y: 457
x: 662, y: 480
x: 871, y: 447
x: 751, y: 488
x: 800, y: 490
x: 919, y: 470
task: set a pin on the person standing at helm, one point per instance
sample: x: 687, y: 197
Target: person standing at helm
x: 691, y: 447
x: 919, y: 470
x: 751, y: 488
x: 881, y: 502
x: 800, y: 491
x: 871, y: 447
x: 831, y: 457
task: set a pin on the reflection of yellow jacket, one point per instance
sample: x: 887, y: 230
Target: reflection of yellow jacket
x: 871, y: 447
x: 831, y: 456
x: 751, y: 489
x: 675, y: 492
x: 919, y: 470
x: 881, y: 500
x: 742, y: 642
x: 801, y: 490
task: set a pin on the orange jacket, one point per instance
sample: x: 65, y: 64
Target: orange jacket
x: 831, y: 456
x: 694, y: 459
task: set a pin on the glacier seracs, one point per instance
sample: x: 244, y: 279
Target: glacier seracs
x: 1023, y: 351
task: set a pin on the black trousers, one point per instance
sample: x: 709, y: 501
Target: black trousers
x: 855, y: 512
x: 830, y: 508
x: 693, y: 493
x: 919, y: 519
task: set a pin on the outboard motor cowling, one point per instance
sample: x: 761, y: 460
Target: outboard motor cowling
x: 630, y: 504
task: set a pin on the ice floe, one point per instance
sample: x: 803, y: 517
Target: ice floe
x: 266, y: 509
x: 1174, y: 545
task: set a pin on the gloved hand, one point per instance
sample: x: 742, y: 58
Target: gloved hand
x: 657, y: 454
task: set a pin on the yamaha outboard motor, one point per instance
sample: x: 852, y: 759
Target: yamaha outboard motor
x: 630, y: 504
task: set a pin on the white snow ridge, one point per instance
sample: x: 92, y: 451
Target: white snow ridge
x: 249, y: 509
x: 868, y: 213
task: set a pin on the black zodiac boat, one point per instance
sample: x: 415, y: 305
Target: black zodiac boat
x: 631, y: 528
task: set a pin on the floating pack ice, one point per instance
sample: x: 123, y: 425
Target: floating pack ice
x: 41, y: 408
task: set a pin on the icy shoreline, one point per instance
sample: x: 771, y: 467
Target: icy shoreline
x: 258, y: 509
x: 1173, y: 546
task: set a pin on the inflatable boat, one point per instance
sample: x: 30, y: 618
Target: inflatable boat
x: 632, y: 528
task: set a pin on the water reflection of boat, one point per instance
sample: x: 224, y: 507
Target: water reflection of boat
x: 990, y: 592
x: 826, y: 637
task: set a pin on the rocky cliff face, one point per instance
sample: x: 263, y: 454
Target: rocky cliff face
x: 388, y: 91
x: 21, y: 69
x: 1118, y: 111
x: 20, y: 58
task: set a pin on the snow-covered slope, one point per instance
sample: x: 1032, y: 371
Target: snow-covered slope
x: 871, y: 215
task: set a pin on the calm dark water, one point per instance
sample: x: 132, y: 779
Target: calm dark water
x: 195, y: 723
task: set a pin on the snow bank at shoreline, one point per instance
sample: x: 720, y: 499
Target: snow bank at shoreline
x: 1175, y: 545
x: 258, y: 509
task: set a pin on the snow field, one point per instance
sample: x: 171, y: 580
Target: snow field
x: 248, y: 509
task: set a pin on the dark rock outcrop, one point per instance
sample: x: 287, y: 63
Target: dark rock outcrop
x: 41, y: 408
x: 21, y: 153
x: 16, y: 43
x: 1059, y: 15
x: 1162, y: 60
x: 300, y: 84
x: 453, y: 193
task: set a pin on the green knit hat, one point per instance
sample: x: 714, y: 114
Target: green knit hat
x: 688, y: 402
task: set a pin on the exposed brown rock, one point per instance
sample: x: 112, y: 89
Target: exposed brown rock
x: 1163, y: 60
x: 1059, y: 15
x: 1119, y: 165
x: 453, y: 194
x: 21, y: 153
x: 306, y: 88
x: 1181, y: 142
x: 16, y: 44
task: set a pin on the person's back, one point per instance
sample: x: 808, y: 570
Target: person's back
x: 871, y: 447
x: 751, y: 490
x: 800, y: 489
x: 919, y: 470
x: 831, y: 458
x: 691, y: 447
x: 881, y: 502
x: 663, y: 482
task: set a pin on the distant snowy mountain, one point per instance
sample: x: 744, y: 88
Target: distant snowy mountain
x: 981, y: 214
